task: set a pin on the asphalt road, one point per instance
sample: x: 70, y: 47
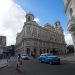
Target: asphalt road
x: 33, y: 67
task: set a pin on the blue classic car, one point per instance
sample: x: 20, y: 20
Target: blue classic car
x: 47, y: 58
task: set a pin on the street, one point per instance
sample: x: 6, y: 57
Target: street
x: 33, y: 67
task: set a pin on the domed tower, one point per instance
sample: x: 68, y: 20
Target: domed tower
x: 58, y: 27
x: 29, y: 17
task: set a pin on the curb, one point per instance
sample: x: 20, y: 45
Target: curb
x: 3, y: 66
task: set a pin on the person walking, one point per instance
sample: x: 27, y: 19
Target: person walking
x: 19, y: 63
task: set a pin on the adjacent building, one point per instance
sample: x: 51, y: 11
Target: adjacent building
x: 70, y: 11
x: 2, y: 45
x: 11, y: 50
x: 35, y: 39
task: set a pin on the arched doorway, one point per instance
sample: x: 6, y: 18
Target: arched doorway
x: 34, y: 51
x: 28, y: 51
x: 54, y: 51
x: 44, y: 50
x: 47, y: 51
x: 40, y: 51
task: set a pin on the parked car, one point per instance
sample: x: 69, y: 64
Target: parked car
x: 25, y: 57
x: 47, y: 58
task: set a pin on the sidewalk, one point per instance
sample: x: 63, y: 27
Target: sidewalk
x: 70, y: 58
x: 3, y: 63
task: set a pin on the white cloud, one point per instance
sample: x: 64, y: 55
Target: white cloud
x: 37, y: 20
x: 12, y: 17
x: 68, y: 38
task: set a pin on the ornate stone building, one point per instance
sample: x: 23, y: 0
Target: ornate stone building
x: 70, y: 11
x: 35, y: 39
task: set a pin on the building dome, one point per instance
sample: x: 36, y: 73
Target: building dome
x: 29, y: 17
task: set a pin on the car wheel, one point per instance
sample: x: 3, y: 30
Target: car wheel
x: 53, y: 63
x: 49, y: 62
x: 40, y: 61
x: 58, y: 62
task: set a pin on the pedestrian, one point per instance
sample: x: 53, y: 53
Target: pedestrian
x: 19, y: 63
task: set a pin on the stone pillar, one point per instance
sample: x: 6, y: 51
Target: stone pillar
x: 24, y: 47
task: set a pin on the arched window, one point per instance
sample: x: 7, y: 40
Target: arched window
x: 71, y: 11
x: 29, y: 18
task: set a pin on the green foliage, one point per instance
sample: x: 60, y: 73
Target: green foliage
x: 70, y: 48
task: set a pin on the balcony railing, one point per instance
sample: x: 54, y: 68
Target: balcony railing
x: 71, y: 24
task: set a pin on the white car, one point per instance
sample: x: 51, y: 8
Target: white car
x: 25, y: 57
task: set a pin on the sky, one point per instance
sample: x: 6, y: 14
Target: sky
x: 12, y: 16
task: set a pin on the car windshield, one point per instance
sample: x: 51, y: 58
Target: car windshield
x: 24, y: 55
x: 45, y: 54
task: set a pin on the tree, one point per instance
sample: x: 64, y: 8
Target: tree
x: 70, y: 48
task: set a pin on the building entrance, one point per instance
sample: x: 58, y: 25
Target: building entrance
x: 28, y: 51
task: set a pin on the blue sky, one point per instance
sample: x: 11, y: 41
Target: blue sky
x: 46, y: 10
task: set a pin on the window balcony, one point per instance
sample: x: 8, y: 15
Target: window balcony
x: 71, y: 25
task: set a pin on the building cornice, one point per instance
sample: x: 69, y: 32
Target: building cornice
x: 66, y: 7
